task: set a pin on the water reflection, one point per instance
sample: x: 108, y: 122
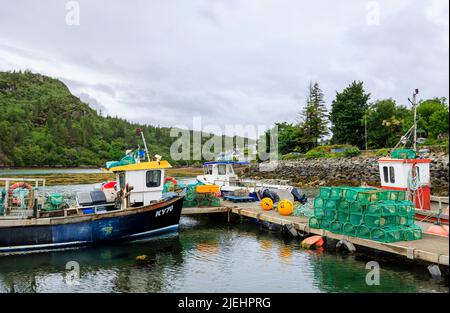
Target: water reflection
x: 208, y: 256
x: 106, y: 268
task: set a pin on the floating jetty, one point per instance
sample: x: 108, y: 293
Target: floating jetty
x: 431, y: 248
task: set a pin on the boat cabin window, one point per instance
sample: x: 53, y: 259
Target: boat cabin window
x: 207, y: 170
x: 391, y: 174
x: 222, y: 169
x: 153, y: 178
x: 385, y: 174
x: 122, y: 180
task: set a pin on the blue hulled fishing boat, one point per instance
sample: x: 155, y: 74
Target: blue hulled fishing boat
x: 131, y: 207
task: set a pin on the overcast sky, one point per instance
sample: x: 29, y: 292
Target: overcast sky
x: 229, y: 61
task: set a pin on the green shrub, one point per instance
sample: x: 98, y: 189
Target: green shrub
x: 292, y: 156
x: 352, y: 151
x: 315, y: 154
x: 382, y: 152
x: 325, y: 152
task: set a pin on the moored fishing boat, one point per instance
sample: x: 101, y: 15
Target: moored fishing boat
x: 132, y: 207
x: 407, y: 172
x: 222, y: 174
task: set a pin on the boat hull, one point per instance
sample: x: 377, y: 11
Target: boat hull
x: 129, y: 224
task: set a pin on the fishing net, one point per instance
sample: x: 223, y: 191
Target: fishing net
x: 20, y: 196
x: 306, y: 210
x: 349, y: 229
x: 2, y: 200
x: 53, y: 202
x: 314, y: 222
x: 336, y: 227
x: 319, y: 202
x: 128, y: 159
x: 403, y: 154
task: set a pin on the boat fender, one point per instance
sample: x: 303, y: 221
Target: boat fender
x: 347, y: 244
x: 299, y: 195
x: 290, y: 229
x: 434, y: 271
x: 267, y: 193
x: 313, y: 241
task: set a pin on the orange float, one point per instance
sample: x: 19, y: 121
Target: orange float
x: 266, y: 204
x: 285, y: 207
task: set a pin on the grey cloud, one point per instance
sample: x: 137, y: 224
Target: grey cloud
x: 93, y: 103
x: 250, y: 61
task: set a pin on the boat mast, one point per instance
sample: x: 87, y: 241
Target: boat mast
x: 406, y: 137
x: 140, y: 132
x: 414, y: 104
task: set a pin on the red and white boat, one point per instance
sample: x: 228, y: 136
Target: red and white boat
x: 405, y: 170
x: 413, y: 176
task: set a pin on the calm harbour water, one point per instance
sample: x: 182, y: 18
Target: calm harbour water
x: 207, y: 256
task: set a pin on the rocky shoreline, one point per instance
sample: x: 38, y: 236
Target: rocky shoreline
x: 343, y: 171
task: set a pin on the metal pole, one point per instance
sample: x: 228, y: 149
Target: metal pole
x: 365, y: 130
x: 145, y: 146
x: 415, y: 120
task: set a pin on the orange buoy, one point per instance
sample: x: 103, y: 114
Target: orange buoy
x: 313, y: 241
x: 440, y: 230
x: 285, y: 207
x: 267, y: 204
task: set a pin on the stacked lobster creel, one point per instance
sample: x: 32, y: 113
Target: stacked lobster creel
x: 200, y: 195
x: 370, y: 213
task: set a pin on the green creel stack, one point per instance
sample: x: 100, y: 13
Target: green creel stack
x: 190, y: 199
x: 53, y: 202
x: 365, y: 212
x: 403, y: 154
x: 193, y: 199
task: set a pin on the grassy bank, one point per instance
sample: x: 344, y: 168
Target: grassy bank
x: 92, y: 178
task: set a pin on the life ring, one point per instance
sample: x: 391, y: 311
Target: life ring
x: 173, y: 180
x: 19, y: 185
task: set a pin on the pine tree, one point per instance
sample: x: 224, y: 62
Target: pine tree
x: 347, y: 114
x: 313, y: 118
